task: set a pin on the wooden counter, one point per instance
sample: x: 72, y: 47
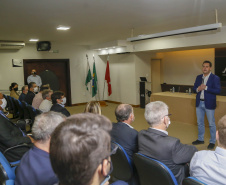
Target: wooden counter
x: 182, y: 106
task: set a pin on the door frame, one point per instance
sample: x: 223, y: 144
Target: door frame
x: 68, y: 78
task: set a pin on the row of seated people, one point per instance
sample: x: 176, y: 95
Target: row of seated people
x: 45, y: 100
x: 91, y: 158
x: 183, y: 160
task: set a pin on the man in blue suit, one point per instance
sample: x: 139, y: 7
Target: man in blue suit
x: 207, y: 86
x: 122, y: 132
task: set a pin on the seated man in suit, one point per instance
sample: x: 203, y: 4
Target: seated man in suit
x: 11, y: 135
x: 58, y: 103
x: 155, y: 142
x: 24, y: 93
x: 80, y: 150
x: 122, y: 132
x: 210, y: 166
x: 35, y: 167
x: 32, y: 89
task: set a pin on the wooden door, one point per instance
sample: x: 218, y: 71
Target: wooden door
x: 56, y: 68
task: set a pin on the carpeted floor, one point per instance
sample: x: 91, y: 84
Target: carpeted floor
x: 185, y: 132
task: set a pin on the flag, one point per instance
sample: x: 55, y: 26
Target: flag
x: 88, y: 77
x: 94, y: 84
x: 108, y: 78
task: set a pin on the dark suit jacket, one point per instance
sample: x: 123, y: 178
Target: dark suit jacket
x: 11, y: 135
x: 29, y: 97
x: 213, y: 88
x: 59, y: 108
x: 126, y: 137
x: 168, y: 150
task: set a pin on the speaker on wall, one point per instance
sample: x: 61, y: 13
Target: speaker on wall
x: 43, y: 46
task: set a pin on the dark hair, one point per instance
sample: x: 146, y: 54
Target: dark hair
x: 222, y: 131
x: 207, y: 62
x: 23, y: 88
x: 12, y: 86
x: 44, y: 87
x: 30, y: 85
x: 78, y: 145
x: 93, y: 107
x: 123, y: 111
x: 45, y: 93
x: 56, y: 95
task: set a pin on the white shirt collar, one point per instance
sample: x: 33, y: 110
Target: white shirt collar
x: 128, y: 125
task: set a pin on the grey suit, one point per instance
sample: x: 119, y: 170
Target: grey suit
x: 166, y: 149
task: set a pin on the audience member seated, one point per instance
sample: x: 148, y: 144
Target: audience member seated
x: 93, y: 107
x: 122, y: 132
x: 210, y: 166
x: 13, y: 90
x: 80, y: 150
x: 11, y: 135
x: 32, y: 89
x: 35, y: 167
x: 3, y: 102
x: 38, y: 97
x: 58, y: 101
x: 24, y: 93
x: 46, y: 104
x: 155, y: 142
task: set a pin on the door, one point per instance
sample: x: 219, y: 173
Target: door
x: 55, y: 72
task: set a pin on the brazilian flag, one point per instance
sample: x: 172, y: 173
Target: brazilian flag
x: 94, y: 82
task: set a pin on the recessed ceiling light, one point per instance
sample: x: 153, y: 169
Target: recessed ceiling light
x: 33, y: 40
x: 63, y: 28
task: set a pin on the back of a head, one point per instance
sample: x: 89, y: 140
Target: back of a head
x: 78, y: 146
x: 222, y: 131
x: 56, y: 95
x: 93, y: 107
x: 45, y: 124
x: 46, y: 93
x: 123, y: 111
x: 30, y: 85
x: 44, y: 87
x: 154, y: 112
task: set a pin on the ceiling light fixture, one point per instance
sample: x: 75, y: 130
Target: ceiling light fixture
x: 34, y: 40
x: 63, y: 28
x: 177, y: 32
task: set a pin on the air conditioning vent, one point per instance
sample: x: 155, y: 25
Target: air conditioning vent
x: 11, y: 45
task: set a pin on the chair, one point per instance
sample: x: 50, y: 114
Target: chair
x: 152, y: 171
x: 8, y: 182
x: 19, y: 108
x: 122, y: 165
x: 26, y: 112
x: 7, y: 170
x: 192, y: 181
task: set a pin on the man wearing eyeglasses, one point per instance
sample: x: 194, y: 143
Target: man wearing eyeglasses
x: 80, y: 150
x: 155, y: 142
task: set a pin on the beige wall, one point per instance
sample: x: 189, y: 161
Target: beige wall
x: 182, y: 67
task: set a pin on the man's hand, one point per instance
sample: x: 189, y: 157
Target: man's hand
x: 201, y: 87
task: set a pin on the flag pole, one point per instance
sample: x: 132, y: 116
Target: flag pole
x: 90, y: 84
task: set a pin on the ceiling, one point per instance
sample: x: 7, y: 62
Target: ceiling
x: 98, y: 21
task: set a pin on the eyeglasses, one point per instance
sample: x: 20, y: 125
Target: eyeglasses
x: 167, y: 115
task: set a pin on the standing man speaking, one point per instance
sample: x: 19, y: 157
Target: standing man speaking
x: 207, y: 86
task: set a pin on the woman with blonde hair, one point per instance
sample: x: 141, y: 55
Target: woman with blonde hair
x: 93, y: 107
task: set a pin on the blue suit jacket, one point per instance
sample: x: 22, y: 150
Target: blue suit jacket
x: 213, y: 88
x: 126, y: 137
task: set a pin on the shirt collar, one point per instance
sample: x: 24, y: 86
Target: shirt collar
x: 220, y: 151
x: 207, y: 75
x: 128, y: 125
x: 164, y: 131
